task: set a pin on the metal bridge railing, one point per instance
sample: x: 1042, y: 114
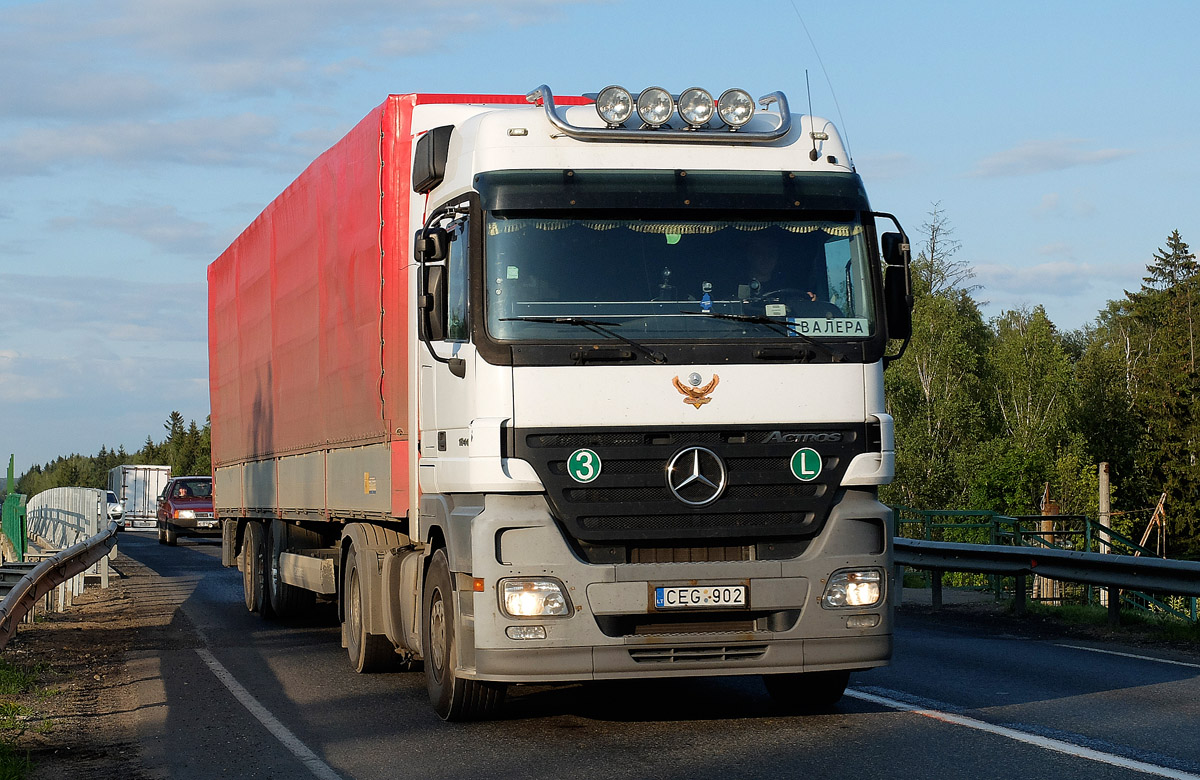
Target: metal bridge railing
x: 942, y: 530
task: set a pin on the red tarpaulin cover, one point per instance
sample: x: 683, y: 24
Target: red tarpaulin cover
x: 308, y: 307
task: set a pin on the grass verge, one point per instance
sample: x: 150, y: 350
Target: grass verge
x: 17, y: 682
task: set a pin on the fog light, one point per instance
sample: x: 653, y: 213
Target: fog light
x: 696, y: 107
x: 526, y: 632
x: 853, y: 588
x: 614, y: 105
x: 735, y: 107
x: 533, y: 598
x: 655, y: 106
x: 862, y: 621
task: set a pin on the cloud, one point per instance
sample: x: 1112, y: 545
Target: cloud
x: 62, y: 316
x: 1064, y: 277
x: 245, y: 139
x: 1054, y: 205
x: 84, y: 58
x: 1041, y: 156
x: 884, y: 166
x: 162, y: 226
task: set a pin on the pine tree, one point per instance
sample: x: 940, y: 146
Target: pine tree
x: 1166, y: 385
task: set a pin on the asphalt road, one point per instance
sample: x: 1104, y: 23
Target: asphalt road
x: 235, y: 696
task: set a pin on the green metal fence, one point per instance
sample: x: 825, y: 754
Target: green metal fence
x: 13, y: 515
x: 14, y: 523
x: 1066, y: 532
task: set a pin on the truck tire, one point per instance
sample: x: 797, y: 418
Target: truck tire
x: 808, y: 691
x: 254, y: 578
x: 368, y: 652
x: 453, y: 698
x: 287, y: 600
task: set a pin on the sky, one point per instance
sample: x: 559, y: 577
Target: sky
x: 1058, y: 140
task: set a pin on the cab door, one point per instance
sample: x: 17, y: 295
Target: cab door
x: 445, y: 401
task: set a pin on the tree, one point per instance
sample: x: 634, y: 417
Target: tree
x: 1165, y: 385
x: 935, y: 393
x: 935, y: 271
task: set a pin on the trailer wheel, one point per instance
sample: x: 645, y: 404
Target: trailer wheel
x: 368, y: 652
x: 453, y: 698
x: 287, y: 600
x: 808, y: 691
x: 254, y: 581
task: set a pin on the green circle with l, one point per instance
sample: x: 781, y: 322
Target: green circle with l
x: 583, y: 465
x: 806, y: 464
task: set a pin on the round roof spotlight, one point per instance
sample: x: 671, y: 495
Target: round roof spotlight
x: 655, y: 106
x: 696, y: 107
x: 735, y: 107
x: 614, y: 105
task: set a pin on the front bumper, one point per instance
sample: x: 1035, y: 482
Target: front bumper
x: 616, y: 632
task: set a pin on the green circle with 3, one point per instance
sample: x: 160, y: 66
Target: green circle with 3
x: 583, y: 465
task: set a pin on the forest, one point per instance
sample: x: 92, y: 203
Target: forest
x: 185, y: 448
x: 989, y: 412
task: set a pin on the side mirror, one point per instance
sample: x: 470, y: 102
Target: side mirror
x: 897, y: 285
x: 434, y: 303
x: 431, y: 246
x: 430, y: 154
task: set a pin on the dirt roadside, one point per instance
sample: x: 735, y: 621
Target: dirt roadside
x: 83, y: 720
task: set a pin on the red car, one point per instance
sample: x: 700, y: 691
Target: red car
x: 185, y: 508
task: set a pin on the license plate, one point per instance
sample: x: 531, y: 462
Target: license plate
x: 700, y: 597
x: 206, y: 523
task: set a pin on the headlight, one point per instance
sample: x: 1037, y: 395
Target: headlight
x: 614, y: 105
x: 655, y: 106
x: 735, y: 107
x: 185, y: 514
x: 696, y: 106
x: 853, y: 588
x: 533, y: 598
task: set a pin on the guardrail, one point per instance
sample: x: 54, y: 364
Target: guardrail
x: 1153, y: 575
x: 49, y: 574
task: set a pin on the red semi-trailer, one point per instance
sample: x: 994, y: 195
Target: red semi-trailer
x: 446, y: 367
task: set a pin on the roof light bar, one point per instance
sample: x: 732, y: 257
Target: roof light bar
x: 655, y: 107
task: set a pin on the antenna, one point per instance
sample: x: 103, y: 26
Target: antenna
x: 814, y: 154
x: 841, y: 119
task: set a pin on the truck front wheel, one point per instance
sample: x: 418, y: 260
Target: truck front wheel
x: 453, y: 698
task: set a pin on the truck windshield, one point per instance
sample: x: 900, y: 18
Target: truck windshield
x: 657, y: 278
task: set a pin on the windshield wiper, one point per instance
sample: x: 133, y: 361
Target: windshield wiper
x: 595, y: 326
x: 777, y: 325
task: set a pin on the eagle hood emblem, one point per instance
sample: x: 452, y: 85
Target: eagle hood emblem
x: 697, y: 396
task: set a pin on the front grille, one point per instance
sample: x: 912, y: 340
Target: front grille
x: 631, y: 501
x: 697, y: 654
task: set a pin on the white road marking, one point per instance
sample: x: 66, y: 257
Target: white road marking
x: 1131, y: 655
x: 289, y: 740
x: 1047, y: 743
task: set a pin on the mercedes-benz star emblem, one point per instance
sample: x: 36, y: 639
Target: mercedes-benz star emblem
x: 696, y: 476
